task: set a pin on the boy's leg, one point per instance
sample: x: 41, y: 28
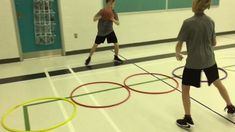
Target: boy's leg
x: 223, y: 92
x: 212, y: 75
x: 98, y: 40
x: 186, y: 99
x: 187, y: 121
x: 93, y: 49
x: 91, y: 53
x: 112, y: 38
x: 191, y: 77
x: 116, y: 49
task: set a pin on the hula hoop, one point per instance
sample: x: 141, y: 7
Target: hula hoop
x: 177, y: 76
x: 107, y: 106
x: 164, y: 92
x: 35, y: 100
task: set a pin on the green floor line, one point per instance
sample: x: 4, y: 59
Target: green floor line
x: 26, y: 118
x: 95, y: 92
x: 230, y: 70
x: 25, y: 108
x: 228, y: 66
x: 44, y: 102
x: 114, y: 88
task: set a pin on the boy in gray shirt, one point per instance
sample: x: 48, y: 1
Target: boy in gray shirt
x: 105, y: 31
x: 199, y: 34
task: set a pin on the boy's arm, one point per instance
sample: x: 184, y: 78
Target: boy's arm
x: 213, y: 35
x: 97, y: 16
x: 115, y: 18
x: 214, y: 42
x: 115, y: 21
x: 178, y: 49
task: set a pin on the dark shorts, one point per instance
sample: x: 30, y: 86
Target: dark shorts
x: 111, y: 38
x: 192, y: 77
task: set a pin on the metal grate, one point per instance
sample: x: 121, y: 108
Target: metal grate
x: 44, y: 22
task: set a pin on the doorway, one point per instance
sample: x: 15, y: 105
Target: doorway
x: 39, y: 27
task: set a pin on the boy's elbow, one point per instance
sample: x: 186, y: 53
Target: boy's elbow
x: 117, y: 22
x: 214, y: 42
x: 96, y: 18
x: 180, y: 43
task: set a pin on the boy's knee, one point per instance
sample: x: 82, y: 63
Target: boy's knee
x: 216, y: 82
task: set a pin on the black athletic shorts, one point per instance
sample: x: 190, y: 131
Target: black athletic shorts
x: 192, y: 77
x: 111, y: 38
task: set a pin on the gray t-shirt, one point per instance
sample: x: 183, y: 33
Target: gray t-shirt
x: 198, y: 32
x: 105, y: 27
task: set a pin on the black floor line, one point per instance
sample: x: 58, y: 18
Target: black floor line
x: 22, y: 78
x: 96, y: 66
x: 59, y: 72
x: 181, y: 92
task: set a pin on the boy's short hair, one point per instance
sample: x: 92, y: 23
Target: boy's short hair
x: 107, y: 1
x: 201, y: 5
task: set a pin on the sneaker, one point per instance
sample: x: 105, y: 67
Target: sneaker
x: 230, y: 110
x: 88, y: 61
x: 186, y: 122
x: 117, y: 59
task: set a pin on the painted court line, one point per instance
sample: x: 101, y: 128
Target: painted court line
x: 96, y: 103
x: 25, y: 108
x: 99, y: 91
x: 70, y: 125
x: 26, y: 118
x: 190, y: 97
x: 96, y: 66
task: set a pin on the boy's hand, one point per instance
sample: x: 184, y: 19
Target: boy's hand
x: 179, y: 57
x: 115, y: 21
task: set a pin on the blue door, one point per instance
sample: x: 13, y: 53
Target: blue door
x: 39, y: 27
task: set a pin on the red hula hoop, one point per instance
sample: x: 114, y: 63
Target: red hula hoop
x: 177, y: 84
x: 106, y: 106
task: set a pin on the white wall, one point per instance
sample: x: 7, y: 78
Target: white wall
x: 77, y: 18
x: 135, y: 27
x: 8, y: 39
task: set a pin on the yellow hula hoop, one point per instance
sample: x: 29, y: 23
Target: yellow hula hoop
x: 35, y: 100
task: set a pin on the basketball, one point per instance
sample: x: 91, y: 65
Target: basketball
x: 107, y: 13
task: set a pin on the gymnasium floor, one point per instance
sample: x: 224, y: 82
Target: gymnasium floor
x: 59, y: 76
